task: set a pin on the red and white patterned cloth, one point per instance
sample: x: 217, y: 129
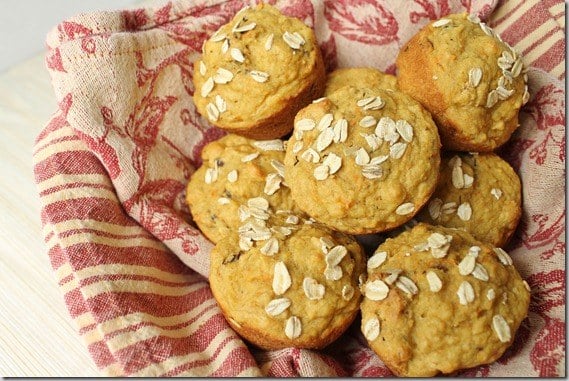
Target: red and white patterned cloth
x: 112, y: 164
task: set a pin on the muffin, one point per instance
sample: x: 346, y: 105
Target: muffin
x: 471, y: 81
x: 438, y: 301
x: 362, y: 160
x: 478, y: 193
x: 234, y: 170
x: 257, y: 71
x: 297, y: 286
x: 359, y: 77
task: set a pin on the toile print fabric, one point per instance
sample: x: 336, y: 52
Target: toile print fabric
x: 112, y: 163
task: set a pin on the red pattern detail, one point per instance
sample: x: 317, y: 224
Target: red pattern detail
x: 548, y: 291
x: 134, y: 19
x: 366, y: 21
x: 431, y: 10
x: 53, y: 60
x: 549, y: 350
x: 72, y: 30
x: 301, y: 9
x: 59, y: 119
x: 106, y: 152
x: 544, y: 230
x: 548, y: 109
x: 162, y: 15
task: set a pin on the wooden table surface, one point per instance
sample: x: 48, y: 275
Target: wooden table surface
x: 37, y: 336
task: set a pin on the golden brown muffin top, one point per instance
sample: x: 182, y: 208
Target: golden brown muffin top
x: 438, y: 301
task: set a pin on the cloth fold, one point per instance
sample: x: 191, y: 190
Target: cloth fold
x: 112, y: 164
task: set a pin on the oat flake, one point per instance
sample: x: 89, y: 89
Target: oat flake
x: 277, y: 306
x: 271, y: 247
x: 377, y: 260
x: 465, y: 293
x: 497, y: 193
x: 441, y: 22
x: 464, y: 211
x: 321, y: 172
x: 259, y: 76
x: 405, y: 208
x: 371, y: 329
x: 293, y: 327
x: 466, y: 266
x: 405, y: 130
x: 367, y: 121
x: 475, y: 76
x: 281, y: 278
x: 207, y: 87
x: 376, y: 290
x: 480, y: 273
x: 237, y: 55
x: 348, y: 292
x: 435, y: 283
x: 502, y: 329
x: 504, y: 258
x: 406, y: 285
x: 312, y: 289
x: 435, y: 208
x: 250, y: 157
x: 269, y: 42
x: 232, y: 176
x: 335, y: 255
x: 362, y: 157
x: 270, y: 145
x: 334, y: 162
x: 305, y: 124
x: 333, y: 273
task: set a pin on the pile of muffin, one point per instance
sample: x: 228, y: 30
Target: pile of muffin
x: 315, y: 163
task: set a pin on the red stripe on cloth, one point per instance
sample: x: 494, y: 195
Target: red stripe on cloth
x: 552, y: 57
x: 551, y: 3
x: 507, y: 15
x: 85, y: 254
x: 87, y: 328
x: 66, y: 279
x: 182, y: 324
x: 75, y: 304
x: 75, y: 185
x: 105, y: 234
x: 283, y: 366
x: 57, y: 122
x: 68, y: 162
x: 69, y: 138
x: 101, y: 354
x: 134, y: 277
x: 236, y: 362
x: 98, y: 209
x: 110, y: 305
x: 538, y: 41
x: 56, y: 256
x: 164, y: 347
x: 532, y: 19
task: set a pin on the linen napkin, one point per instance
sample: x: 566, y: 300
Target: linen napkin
x: 112, y: 164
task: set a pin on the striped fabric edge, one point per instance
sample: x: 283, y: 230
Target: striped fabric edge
x: 534, y: 29
x: 296, y: 362
x: 139, y: 310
